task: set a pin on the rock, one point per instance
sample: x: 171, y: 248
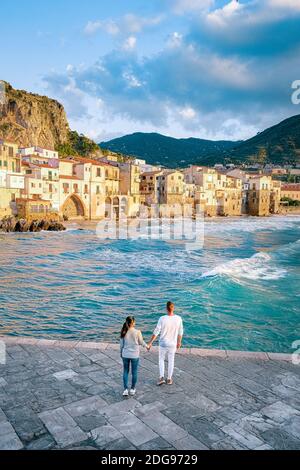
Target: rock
x: 21, y: 226
x: 35, y: 226
x: 11, y: 224
x: 8, y: 224
x: 56, y: 227
x: 28, y: 118
x: 44, y: 224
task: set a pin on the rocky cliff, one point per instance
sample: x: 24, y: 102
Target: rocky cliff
x: 29, y: 119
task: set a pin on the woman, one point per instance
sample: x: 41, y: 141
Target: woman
x: 130, y: 342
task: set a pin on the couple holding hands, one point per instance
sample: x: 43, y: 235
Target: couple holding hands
x: 170, y: 330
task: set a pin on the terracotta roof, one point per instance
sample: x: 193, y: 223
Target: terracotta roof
x: 93, y: 162
x: 44, y: 165
x: 65, y: 160
x: 291, y: 187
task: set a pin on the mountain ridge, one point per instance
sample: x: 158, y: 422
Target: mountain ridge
x: 279, y: 144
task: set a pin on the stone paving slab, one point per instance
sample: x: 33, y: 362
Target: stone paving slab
x: 133, y: 428
x: 60, y: 394
x: 8, y: 437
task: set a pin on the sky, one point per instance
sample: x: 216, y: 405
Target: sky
x: 215, y: 69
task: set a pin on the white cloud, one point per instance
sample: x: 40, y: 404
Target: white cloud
x: 92, y: 27
x: 108, y: 26
x: 132, y: 80
x: 220, y: 16
x: 285, y: 4
x: 129, y: 24
x: 185, y: 6
x: 188, y: 113
x: 130, y: 43
x: 135, y: 24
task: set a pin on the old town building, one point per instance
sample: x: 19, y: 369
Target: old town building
x: 36, y: 182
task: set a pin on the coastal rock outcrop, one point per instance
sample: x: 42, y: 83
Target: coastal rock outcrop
x: 29, y: 120
x: 12, y: 224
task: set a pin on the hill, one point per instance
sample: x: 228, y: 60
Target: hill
x: 168, y: 151
x: 33, y: 120
x: 279, y: 144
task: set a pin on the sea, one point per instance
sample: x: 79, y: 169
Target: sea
x: 238, y: 290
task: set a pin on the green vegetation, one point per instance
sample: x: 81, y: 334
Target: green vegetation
x: 78, y: 145
x: 279, y: 144
x: 291, y: 202
x: 158, y: 149
x: 293, y: 179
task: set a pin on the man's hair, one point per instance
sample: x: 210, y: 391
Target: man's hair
x: 169, y: 306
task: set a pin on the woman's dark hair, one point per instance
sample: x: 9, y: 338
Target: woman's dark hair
x: 128, y: 323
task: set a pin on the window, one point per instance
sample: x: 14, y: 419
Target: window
x: 66, y: 188
x: 98, y: 172
x: 98, y: 190
x: 50, y: 188
x: 86, y: 189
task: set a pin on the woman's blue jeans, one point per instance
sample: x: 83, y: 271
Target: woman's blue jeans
x: 134, y: 370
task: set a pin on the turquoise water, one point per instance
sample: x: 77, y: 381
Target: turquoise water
x: 241, y: 291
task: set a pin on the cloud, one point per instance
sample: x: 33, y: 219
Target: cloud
x: 250, y: 29
x: 285, y: 4
x: 134, y: 24
x: 188, y: 113
x: 129, y: 24
x: 185, y: 6
x: 229, y: 73
x: 108, y: 26
x: 230, y: 11
x: 129, y: 43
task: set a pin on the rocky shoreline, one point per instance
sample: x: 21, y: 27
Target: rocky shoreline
x: 13, y: 224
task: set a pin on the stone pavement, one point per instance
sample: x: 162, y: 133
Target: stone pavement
x: 57, y: 395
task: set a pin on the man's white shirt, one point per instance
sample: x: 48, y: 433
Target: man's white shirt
x: 169, y: 327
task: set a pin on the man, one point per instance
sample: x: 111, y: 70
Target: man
x: 170, y: 329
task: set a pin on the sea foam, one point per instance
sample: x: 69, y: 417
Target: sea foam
x: 258, y: 267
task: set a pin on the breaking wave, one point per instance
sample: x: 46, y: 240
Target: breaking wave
x: 259, y: 267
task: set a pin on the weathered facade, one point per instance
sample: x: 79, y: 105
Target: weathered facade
x: 259, y: 195
x: 11, y: 178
